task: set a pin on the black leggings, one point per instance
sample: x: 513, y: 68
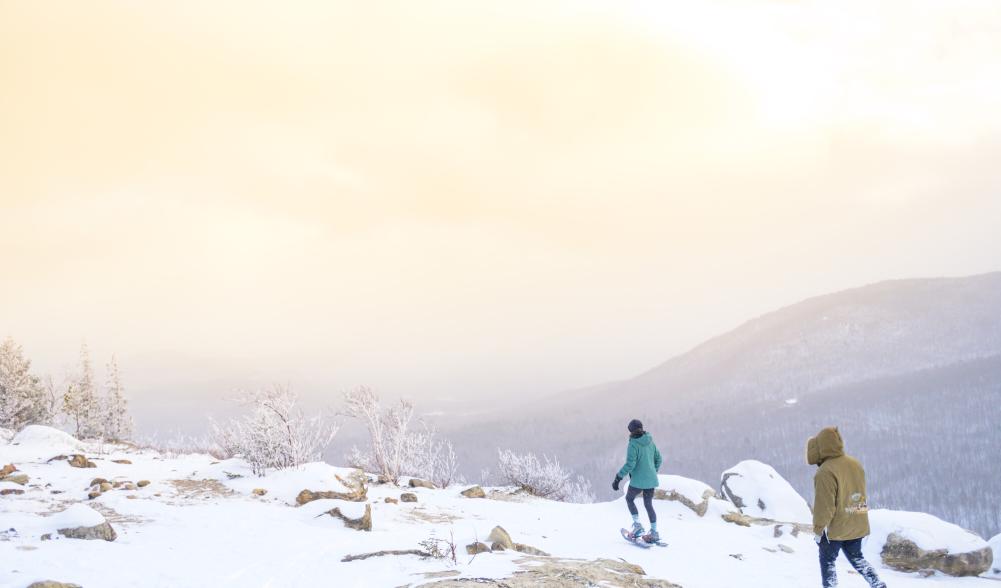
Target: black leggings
x: 631, y: 495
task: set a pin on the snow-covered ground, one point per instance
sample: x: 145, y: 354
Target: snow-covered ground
x: 197, y: 524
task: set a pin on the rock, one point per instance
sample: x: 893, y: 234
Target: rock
x: 382, y: 479
x: 757, y: 490
x: 474, y: 492
x: 737, y: 519
x: 499, y: 535
x: 691, y: 493
x: 53, y: 584
x: 255, y: 491
x: 497, y: 546
x: 7, y: 469
x: 122, y: 461
x: 11, y: 491
x: 785, y: 548
x: 97, y: 482
x: 408, y: 497
x: 391, y: 500
x: 80, y: 461
x: 128, y: 486
x: 144, y: 483
x: 564, y: 573
x: 529, y: 550
x: 917, y: 541
x: 21, y: 479
x: 474, y: 548
x: 116, y: 484
x: 104, y: 486
x: 357, y: 484
x: 93, y: 495
x: 102, y: 531
x: 360, y: 524
x: 415, y: 483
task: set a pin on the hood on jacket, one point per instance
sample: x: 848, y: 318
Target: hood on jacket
x: 812, y: 452
x: 643, y: 441
x: 826, y: 445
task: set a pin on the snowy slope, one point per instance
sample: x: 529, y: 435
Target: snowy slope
x: 196, y: 525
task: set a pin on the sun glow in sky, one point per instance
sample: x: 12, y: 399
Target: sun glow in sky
x: 452, y: 198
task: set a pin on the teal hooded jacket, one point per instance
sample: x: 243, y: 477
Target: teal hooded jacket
x: 642, y: 462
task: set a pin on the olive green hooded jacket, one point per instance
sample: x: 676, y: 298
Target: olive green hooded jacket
x: 840, y: 505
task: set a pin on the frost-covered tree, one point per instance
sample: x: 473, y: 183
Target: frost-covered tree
x: 545, y: 478
x: 396, y: 449
x: 22, y: 397
x: 80, y: 402
x: 117, y: 423
x: 276, y: 434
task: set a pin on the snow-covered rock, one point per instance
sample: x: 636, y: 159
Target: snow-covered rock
x: 995, y: 571
x: 913, y: 541
x: 757, y: 490
x: 692, y: 493
x: 43, y: 442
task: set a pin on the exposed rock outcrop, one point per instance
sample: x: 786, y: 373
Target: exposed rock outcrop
x: 102, y: 531
x: 475, y: 548
x: 474, y: 492
x: 408, y: 497
x: 357, y: 485
x: 363, y: 523
x: 565, y: 573
x: 53, y: 584
x: 499, y: 535
x: 900, y: 553
x: 415, y: 483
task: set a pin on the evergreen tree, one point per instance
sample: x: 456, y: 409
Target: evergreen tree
x: 81, y: 402
x: 22, y: 398
x: 117, y: 422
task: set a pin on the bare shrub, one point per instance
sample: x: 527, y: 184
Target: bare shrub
x: 438, y: 548
x: 545, y: 478
x: 396, y: 449
x: 276, y: 434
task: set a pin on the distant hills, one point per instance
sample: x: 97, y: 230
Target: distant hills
x: 910, y: 370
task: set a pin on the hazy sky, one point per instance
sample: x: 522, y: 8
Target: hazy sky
x: 463, y: 198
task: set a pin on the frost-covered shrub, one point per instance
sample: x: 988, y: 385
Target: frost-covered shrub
x: 396, y: 448
x: 545, y: 478
x: 276, y: 434
x: 22, y: 397
x: 180, y: 444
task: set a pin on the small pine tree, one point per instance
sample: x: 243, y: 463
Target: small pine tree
x: 22, y: 398
x: 80, y: 401
x: 117, y: 421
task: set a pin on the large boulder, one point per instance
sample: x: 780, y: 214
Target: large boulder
x: 757, y: 490
x: 914, y: 541
x: 995, y: 571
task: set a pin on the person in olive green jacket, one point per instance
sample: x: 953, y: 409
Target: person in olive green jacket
x: 840, y: 507
x: 642, y: 462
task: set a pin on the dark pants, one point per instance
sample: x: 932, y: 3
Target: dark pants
x: 853, y: 552
x: 631, y: 495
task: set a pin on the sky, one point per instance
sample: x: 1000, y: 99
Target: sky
x: 455, y: 199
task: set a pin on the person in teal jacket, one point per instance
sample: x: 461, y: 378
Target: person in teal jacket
x: 642, y: 462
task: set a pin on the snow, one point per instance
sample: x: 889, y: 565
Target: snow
x: 995, y: 571
x: 759, y: 484
x: 926, y: 531
x: 198, y: 525
x: 41, y: 442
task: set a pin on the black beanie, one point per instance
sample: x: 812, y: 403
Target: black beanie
x: 635, y: 425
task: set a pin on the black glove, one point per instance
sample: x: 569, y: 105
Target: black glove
x: 615, y: 484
